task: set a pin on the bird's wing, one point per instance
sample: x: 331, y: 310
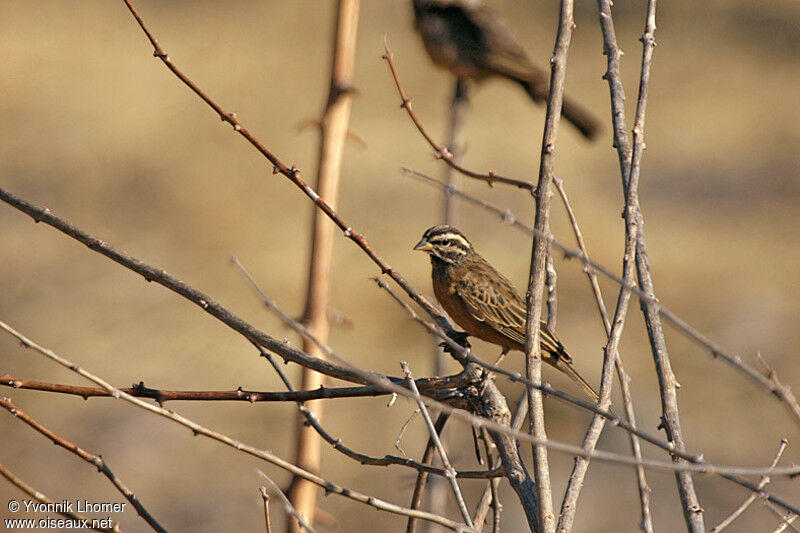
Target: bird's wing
x: 505, y: 55
x: 492, y: 299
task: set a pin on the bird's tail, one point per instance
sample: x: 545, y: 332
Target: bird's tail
x: 566, y: 367
x: 575, y: 113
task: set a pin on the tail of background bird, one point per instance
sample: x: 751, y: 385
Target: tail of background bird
x: 579, y: 116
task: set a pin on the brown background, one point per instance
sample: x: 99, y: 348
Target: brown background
x: 96, y: 129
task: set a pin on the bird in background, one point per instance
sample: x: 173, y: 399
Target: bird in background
x: 483, y: 302
x: 472, y: 41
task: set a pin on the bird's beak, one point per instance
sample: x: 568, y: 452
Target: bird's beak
x: 423, y: 246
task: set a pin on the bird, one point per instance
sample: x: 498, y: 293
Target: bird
x: 483, y: 302
x: 471, y: 40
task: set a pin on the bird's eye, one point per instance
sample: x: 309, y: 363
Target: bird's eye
x: 446, y: 242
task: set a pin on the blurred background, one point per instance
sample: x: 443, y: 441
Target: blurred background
x: 96, y: 129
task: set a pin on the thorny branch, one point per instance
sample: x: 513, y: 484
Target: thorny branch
x: 41, y: 498
x: 285, y: 503
x: 441, y: 151
x: 754, y: 496
x: 629, y: 166
x: 198, y: 429
x: 539, y: 253
x: 450, y: 472
x: 96, y: 460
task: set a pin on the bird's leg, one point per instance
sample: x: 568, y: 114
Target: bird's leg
x: 501, y: 357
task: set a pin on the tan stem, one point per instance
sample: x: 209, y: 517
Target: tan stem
x: 333, y: 133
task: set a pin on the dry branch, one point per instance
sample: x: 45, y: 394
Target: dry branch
x: 333, y: 133
x: 629, y: 166
x: 380, y: 381
x: 624, y: 379
x: 450, y: 472
x: 441, y: 152
x: 539, y: 252
x: 41, y: 498
x: 161, y: 396
x: 754, y: 496
x: 96, y: 460
x: 198, y: 429
x: 287, y: 505
x: 422, y: 477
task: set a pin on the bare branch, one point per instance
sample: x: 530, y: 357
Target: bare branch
x: 629, y: 166
x: 488, y: 497
x: 79, y: 520
x: 162, y: 396
x: 786, y: 523
x: 95, y: 460
x: 442, y: 152
x: 422, y: 477
x: 624, y: 379
x: 198, y: 429
x: 754, y: 496
x: 569, y: 505
x: 333, y: 134
x: 714, y: 349
x: 539, y: 252
x: 450, y: 472
x: 265, y: 496
x: 287, y: 505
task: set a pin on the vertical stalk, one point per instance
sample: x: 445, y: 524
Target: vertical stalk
x: 533, y: 359
x: 333, y: 131
x: 455, y: 143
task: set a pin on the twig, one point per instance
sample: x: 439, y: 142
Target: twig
x: 533, y: 358
x: 333, y: 133
x: 785, y: 524
x: 437, y: 494
x: 624, y: 379
x: 629, y: 159
x: 569, y: 504
x: 293, y: 175
x: 781, y: 390
x: 786, y: 521
x: 287, y: 505
x: 292, y: 354
x: 265, y: 496
x: 493, y: 489
x: 422, y: 477
x: 754, y: 496
x: 548, y: 390
x: 403, y: 431
x: 162, y: 396
x: 450, y: 472
x: 714, y: 349
x: 95, y: 460
x: 79, y: 520
x: 441, y: 152
x: 313, y: 420
x: 487, y: 499
x: 198, y: 429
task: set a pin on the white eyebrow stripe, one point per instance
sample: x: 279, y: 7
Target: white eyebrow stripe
x: 453, y: 237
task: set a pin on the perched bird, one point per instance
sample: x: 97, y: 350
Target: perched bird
x: 472, y: 41
x: 483, y: 301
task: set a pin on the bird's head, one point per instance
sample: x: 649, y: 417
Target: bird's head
x: 445, y: 243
